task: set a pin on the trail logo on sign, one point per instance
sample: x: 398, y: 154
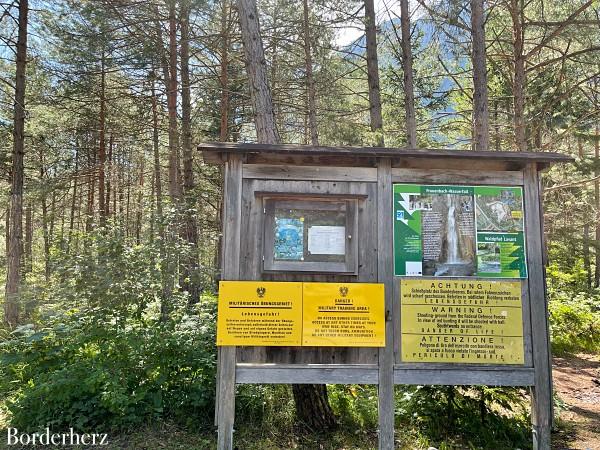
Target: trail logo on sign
x: 343, y: 291
x: 260, y: 291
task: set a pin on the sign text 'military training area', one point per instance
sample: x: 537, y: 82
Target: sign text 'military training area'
x: 296, y: 314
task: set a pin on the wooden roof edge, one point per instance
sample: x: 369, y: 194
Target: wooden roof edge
x: 293, y: 149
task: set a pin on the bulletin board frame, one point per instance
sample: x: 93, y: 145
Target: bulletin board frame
x: 369, y: 174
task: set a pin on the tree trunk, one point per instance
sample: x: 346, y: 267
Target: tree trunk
x: 519, y: 76
x: 587, y: 264
x: 156, y: 151
x: 102, y: 145
x: 74, y: 203
x: 89, y: 221
x: 225, y: 21
x: 373, y: 73
x: 310, y: 83
x: 174, y: 184
x: 481, y: 115
x: 312, y: 406
x: 28, y: 239
x: 407, y: 69
x: 46, y: 235
x: 140, y: 203
x: 15, y: 245
x: 190, y: 282
x: 597, y: 201
x: 109, y: 174
x: 256, y: 68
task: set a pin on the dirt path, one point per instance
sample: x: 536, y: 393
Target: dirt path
x: 577, y: 383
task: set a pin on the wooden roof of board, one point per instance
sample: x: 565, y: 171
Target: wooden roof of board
x: 544, y: 159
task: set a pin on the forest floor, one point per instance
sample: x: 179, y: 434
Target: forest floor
x: 577, y: 384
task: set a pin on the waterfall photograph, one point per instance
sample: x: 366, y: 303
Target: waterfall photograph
x: 449, y: 236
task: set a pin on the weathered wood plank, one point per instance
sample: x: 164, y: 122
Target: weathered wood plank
x: 317, y: 173
x: 542, y: 389
x: 454, y: 176
x: 496, y: 376
x: 252, y: 224
x: 307, y: 374
x: 385, y: 275
x: 493, y: 165
x: 240, y: 148
x: 231, y: 271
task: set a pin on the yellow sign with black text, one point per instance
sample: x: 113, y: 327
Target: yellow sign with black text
x: 462, y: 321
x: 295, y: 314
x: 259, y: 313
x: 343, y: 315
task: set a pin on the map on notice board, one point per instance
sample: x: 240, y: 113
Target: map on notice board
x: 459, y: 231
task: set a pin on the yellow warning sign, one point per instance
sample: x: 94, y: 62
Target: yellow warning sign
x: 259, y: 313
x: 344, y: 315
x: 462, y: 321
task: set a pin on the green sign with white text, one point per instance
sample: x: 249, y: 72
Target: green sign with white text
x: 458, y: 231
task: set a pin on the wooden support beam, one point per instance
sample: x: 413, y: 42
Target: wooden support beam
x: 541, y: 392
x: 231, y: 271
x: 385, y: 274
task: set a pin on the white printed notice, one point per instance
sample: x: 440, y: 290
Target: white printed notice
x: 327, y: 240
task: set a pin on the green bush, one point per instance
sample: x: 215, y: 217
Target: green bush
x: 574, y: 309
x: 574, y: 323
x: 450, y: 417
x: 74, y: 374
x: 100, y: 353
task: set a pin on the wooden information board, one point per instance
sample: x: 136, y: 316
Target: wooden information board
x: 462, y: 321
x: 306, y: 223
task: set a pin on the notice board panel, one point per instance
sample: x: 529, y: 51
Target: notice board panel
x: 462, y: 321
x: 343, y: 315
x: 256, y: 313
x: 459, y: 231
x: 259, y: 313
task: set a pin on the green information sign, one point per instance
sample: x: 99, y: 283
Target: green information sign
x: 458, y: 231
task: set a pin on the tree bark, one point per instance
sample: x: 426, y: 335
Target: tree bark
x: 407, y: 69
x: 481, y: 115
x: 75, y: 196
x: 312, y: 406
x: 109, y: 174
x: 156, y: 151
x: 28, y: 239
x: 256, y: 69
x: 516, y: 14
x: 174, y: 171
x: 311, y: 400
x: 224, y: 78
x: 373, y: 73
x: 190, y: 281
x: 15, y: 246
x: 587, y: 264
x: 140, y: 202
x: 102, y: 145
x: 597, y: 201
x: 310, y: 83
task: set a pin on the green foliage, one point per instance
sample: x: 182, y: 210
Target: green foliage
x: 355, y: 405
x: 574, y: 323
x: 75, y: 375
x: 105, y: 357
x: 476, y: 415
x: 574, y: 305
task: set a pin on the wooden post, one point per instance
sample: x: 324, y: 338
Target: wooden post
x: 231, y: 271
x: 541, y: 392
x: 385, y: 275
